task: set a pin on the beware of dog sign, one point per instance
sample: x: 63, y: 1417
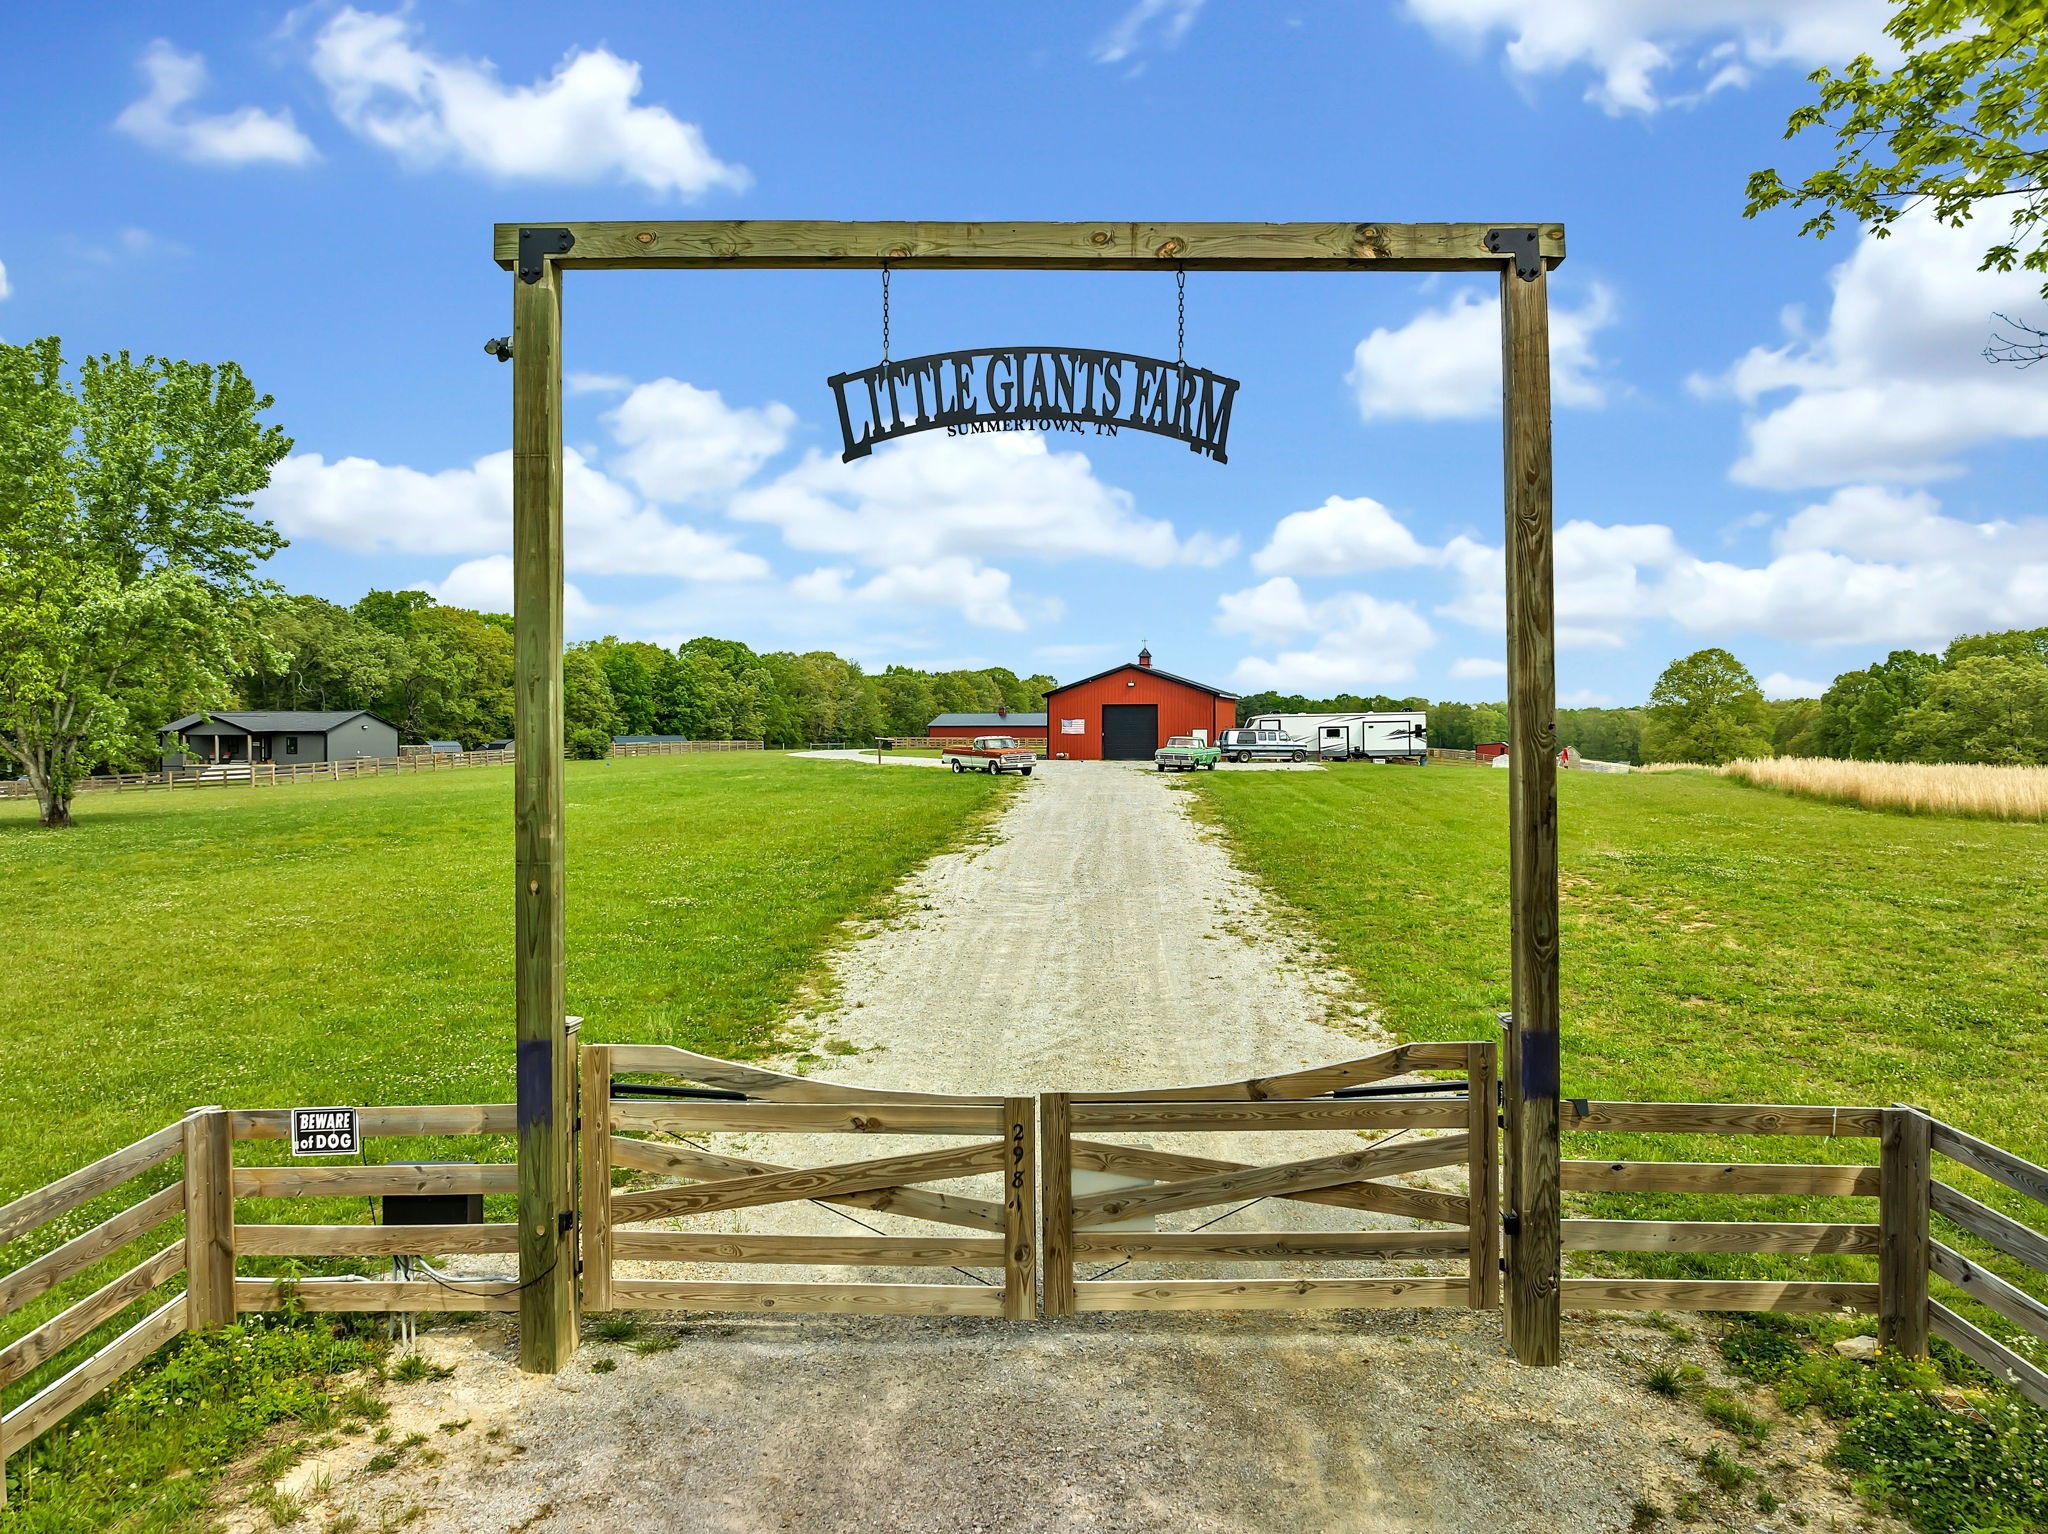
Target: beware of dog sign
x: 326, y: 1132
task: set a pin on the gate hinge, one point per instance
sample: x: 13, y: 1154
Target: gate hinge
x: 1522, y: 244
x: 535, y: 245
x: 1511, y: 1222
x: 565, y: 1222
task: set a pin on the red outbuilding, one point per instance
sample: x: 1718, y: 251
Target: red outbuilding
x: 1128, y: 712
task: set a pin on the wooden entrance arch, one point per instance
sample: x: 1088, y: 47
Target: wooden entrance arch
x: 1519, y: 253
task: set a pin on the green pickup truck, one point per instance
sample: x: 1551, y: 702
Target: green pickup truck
x: 1185, y: 753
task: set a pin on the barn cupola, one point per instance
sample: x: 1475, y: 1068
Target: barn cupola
x: 1145, y: 659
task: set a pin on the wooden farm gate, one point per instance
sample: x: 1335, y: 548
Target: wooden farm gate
x: 991, y: 1242
x: 1426, y: 1125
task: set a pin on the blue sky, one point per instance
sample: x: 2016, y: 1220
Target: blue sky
x: 1789, y: 448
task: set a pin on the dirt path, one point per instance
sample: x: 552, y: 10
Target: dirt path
x: 1099, y: 938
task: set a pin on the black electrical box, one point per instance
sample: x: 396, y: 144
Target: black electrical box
x: 433, y: 1208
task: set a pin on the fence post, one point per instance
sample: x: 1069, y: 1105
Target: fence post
x: 1905, y: 1173
x: 1020, y: 1212
x: 209, y: 1220
x: 1482, y: 1167
x: 594, y: 1220
x: 1056, y: 1156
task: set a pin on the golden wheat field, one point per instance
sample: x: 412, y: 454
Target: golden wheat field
x: 1920, y: 788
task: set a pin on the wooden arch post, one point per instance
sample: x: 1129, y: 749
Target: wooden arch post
x: 1520, y: 253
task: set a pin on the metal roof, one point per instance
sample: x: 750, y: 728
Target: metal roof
x: 1131, y: 665
x: 986, y: 721
x: 269, y: 721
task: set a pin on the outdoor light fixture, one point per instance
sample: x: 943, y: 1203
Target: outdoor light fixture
x: 500, y: 347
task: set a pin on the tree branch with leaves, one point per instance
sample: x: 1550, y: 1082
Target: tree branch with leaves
x: 1958, y: 127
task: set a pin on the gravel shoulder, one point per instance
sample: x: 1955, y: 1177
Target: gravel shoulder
x: 1098, y: 937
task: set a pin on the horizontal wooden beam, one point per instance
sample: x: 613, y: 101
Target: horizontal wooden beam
x: 684, y: 1117
x: 110, y: 1171
x: 1401, y: 1060
x: 1987, y: 1288
x: 757, y: 1081
x: 377, y: 1123
x: 374, y: 1240
x: 372, y: 1181
x: 1715, y: 1294
x: 82, y: 1251
x: 873, y: 1251
x: 1274, y: 1246
x: 811, y: 1299
x: 1072, y: 247
x: 1821, y: 1179
x: 371, y: 1297
x: 1318, y: 1113
x: 1271, y: 1294
x: 61, y: 1330
x: 1717, y: 1236
x: 71, y: 1390
x: 802, y: 1183
x: 1720, y: 1119
x: 1989, y: 1353
x: 2016, y: 1172
x: 1981, y: 1220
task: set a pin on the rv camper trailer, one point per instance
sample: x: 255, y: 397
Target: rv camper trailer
x: 1393, y: 737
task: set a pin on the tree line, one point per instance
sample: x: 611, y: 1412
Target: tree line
x: 445, y: 673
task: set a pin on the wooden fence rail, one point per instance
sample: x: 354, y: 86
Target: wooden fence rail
x: 281, y: 774
x: 1004, y: 1236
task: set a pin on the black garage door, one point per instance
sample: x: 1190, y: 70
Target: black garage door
x: 1130, y: 731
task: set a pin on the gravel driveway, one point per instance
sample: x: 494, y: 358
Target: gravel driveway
x: 1099, y: 938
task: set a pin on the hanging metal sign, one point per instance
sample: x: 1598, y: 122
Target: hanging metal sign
x: 326, y: 1132
x: 1033, y: 388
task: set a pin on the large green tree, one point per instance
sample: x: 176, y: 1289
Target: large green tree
x: 1958, y: 127
x: 1706, y: 707
x: 128, y: 556
x: 1985, y: 708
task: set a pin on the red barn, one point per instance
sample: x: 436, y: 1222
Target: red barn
x: 1126, y: 713
x: 967, y: 726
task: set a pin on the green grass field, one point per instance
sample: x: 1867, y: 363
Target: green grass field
x: 352, y: 942
x: 1719, y: 943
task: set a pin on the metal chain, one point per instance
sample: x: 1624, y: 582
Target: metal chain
x: 885, y: 311
x: 1180, y: 283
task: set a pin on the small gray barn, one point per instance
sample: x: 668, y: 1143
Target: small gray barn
x: 284, y: 736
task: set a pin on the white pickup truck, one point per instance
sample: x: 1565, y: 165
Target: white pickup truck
x: 993, y: 754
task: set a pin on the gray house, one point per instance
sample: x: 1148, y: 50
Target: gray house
x: 284, y: 736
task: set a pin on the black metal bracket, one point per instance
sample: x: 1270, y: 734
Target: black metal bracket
x: 1511, y: 1222
x: 653, y: 1089
x: 1522, y: 244
x: 1581, y: 1107
x: 536, y: 245
x: 565, y: 1222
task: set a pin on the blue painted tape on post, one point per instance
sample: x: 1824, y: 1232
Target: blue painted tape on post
x: 536, y: 1076
x: 1539, y: 1066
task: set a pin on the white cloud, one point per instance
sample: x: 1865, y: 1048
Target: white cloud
x: 1471, y: 668
x: 1897, y: 385
x: 1444, y: 365
x: 1870, y: 566
x: 1778, y: 686
x: 1358, y: 643
x: 1147, y: 24
x: 486, y: 585
x: 596, y: 383
x: 682, y: 443
x: 5, y: 290
x: 978, y: 592
x: 1636, y: 47
x: 930, y: 497
x: 579, y: 125
x: 1342, y: 536
x: 163, y: 121
x: 1585, y: 697
x: 369, y: 507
